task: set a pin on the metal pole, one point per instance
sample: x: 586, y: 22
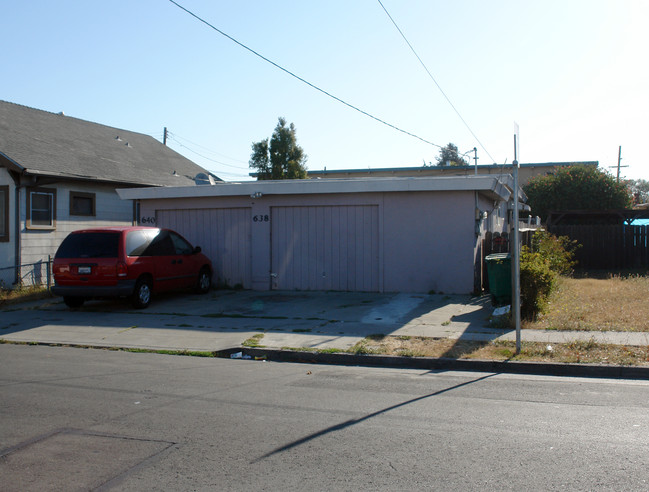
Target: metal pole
x: 164, y: 137
x: 516, y: 265
x: 619, y: 161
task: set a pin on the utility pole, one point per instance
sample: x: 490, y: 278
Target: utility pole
x: 475, y: 159
x: 619, y: 163
x: 164, y: 137
x: 515, y: 257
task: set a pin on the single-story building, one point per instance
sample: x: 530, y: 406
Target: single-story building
x: 526, y: 171
x: 59, y: 174
x: 368, y: 234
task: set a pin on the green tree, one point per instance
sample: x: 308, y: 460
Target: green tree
x: 639, y: 189
x: 448, y: 156
x: 575, y: 188
x: 283, y: 158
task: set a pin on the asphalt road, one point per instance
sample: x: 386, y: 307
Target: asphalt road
x: 79, y: 419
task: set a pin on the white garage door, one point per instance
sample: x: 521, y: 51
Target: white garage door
x: 224, y: 236
x: 325, y: 248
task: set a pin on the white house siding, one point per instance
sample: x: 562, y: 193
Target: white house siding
x: 223, y: 235
x: 325, y: 248
x: 397, y: 241
x: 37, y: 244
x: 7, y: 248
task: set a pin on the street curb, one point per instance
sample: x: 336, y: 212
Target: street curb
x: 400, y: 362
x: 437, y: 364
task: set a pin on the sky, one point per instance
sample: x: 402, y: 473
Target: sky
x: 572, y: 75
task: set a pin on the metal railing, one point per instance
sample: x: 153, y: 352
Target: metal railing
x: 29, y: 274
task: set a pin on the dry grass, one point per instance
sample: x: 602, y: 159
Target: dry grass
x: 613, y: 304
x: 11, y: 296
x: 576, y: 352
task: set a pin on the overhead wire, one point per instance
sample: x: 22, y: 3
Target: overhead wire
x: 171, y: 136
x: 433, y: 79
x: 207, y: 149
x: 313, y: 86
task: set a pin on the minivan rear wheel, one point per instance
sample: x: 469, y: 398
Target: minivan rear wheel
x: 141, y: 297
x: 73, y: 301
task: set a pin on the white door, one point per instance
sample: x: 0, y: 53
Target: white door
x: 223, y: 235
x: 325, y: 248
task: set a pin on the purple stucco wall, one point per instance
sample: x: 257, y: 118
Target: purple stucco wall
x: 426, y: 240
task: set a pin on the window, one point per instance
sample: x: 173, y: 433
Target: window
x: 4, y: 214
x: 82, y: 203
x: 182, y: 247
x: 41, y: 208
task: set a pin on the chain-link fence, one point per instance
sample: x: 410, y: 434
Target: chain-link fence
x: 27, y: 275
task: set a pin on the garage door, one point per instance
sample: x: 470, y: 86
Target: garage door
x: 224, y: 236
x: 325, y: 248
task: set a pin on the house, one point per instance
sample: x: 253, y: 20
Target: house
x: 59, y: 174
x: 364, y: 234
x: 525, y: 173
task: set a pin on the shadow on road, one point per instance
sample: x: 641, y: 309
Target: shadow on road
x: 351, y: 422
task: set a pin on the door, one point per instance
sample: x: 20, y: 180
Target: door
x: 325, y: 248
x: 223, y: 235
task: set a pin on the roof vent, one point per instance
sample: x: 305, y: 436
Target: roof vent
x: 204, y: 179
x: 118, y: 139
x: 61, y: 113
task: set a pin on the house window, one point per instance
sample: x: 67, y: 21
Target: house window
x: 82, y: 203
x: 4, y: 214
x: 41, y: 208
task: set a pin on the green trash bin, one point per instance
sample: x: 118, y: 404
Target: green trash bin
x: 499, y: 272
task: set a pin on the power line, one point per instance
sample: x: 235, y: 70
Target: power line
x: 433, y: 79
x: 171, y: 136
x: 303, y: 80
x: 207, y: 149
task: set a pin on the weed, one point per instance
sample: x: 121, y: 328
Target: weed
x: 446, y: 323
x: 376, y: 337
x: 253, y: 341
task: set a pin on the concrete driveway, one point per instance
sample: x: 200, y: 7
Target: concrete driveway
x: 224, y: 319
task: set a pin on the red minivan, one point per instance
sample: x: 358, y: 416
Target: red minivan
x: 127, y: 262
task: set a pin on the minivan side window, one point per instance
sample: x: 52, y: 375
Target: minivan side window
x: 161, y: 245
x: 181, y: 245
x: 137, y: 242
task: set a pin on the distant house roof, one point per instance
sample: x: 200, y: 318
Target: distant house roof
x: 40, y: 143
x: 441, y: 170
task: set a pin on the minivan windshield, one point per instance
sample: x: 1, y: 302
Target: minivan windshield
x: 90, y: 245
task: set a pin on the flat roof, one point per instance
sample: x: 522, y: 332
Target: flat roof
x: 497, y: 187
x: 324, y: 172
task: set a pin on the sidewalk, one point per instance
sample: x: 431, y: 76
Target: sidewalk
x: 223, y: 320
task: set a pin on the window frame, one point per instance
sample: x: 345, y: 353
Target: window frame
x: 45, y: 191
x: 4, y: 236
x: 83, y: 194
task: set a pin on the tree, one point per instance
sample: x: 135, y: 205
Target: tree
x: 575, y: 188
x: 282, y: 159
x: 639, y: 189
x: 448, y: 156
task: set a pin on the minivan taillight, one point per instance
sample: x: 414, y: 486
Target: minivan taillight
x: 122, y: 269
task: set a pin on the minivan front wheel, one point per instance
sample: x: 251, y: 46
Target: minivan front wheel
x: 204, y: 280
x: 142, y: 293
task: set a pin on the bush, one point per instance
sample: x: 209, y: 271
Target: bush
x: 541, y: 265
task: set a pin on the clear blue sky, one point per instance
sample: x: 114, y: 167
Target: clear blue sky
x: 574, y: 75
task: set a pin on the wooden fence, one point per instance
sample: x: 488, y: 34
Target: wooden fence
x: 609, y: 247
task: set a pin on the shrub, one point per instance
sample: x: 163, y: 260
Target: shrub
x: 541, y: 265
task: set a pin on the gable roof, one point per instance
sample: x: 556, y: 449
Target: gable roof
x: 36, y: 142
